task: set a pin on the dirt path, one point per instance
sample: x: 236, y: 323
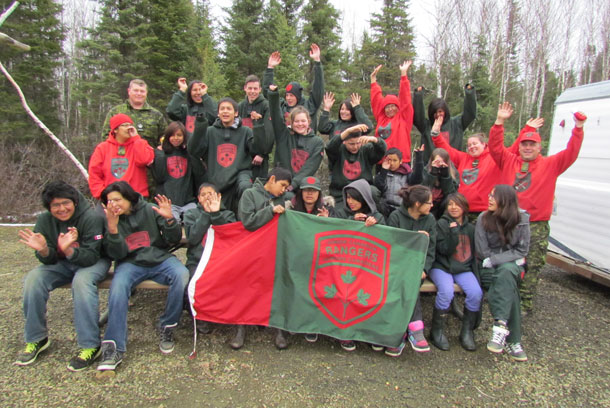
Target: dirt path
x: 567, y: 340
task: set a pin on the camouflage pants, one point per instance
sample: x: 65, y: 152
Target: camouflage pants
x: 539, y: 241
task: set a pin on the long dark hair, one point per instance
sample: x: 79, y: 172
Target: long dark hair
x: 444, y: 154
x: 189, y: 98
x: 506, y: 217
x: 356, y: 195
x: 169, y: 131
x: 299, y: 204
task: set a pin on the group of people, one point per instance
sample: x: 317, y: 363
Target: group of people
x: 480, y: 207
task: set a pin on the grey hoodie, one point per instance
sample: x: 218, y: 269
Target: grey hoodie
x: 364, y: 188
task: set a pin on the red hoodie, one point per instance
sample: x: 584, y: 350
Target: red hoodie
x: 396, y: 131
x: 478, y: 174
x: 107, y: 166
x: 534, y: 180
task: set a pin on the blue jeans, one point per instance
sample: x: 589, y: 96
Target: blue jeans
x: 40, y: 281
x: 170, y: 272
x: 444, y: 285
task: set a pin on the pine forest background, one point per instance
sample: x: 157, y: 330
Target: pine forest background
x: 84, y: 53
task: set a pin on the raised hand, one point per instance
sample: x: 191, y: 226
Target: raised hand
x: 385, y: 164
x: 182, y: 85
x: 355, y: 99
x: 438, y: 122
x: 535, y: 123
x: 329, y: 101
x: 404, y: 67
x: 112, y: 217
x: 367, y: 139
x: 314, y: 52
x: 579, y: 119
x: 273, y: 87
x: 213, y: 201
x: 420, y: 149
x: 374, y: 74
x: 34, y: 240
x: 505, y: 110
x: 204, y: 89
x: 165, y: 207
x: 274, y: 59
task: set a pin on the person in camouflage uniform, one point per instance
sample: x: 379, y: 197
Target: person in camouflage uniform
x: 149, y: 122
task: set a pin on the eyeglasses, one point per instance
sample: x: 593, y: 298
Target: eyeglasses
x: 428, y: 202
x: 65, y: 203
x: 491, y: 197
x: 115, y: 200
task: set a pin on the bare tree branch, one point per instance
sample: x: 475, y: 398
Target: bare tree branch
x: 42, y: 125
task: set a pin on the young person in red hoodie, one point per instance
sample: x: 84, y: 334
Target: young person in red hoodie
x: 534, y: 177
x: 394, y: 115
x: 122, y: 157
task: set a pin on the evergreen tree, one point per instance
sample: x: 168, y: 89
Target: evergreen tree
x: 392, y: 41
x: 321, y: 26
x: 34, y: 23
x: 245, y: 37
x: 208, y: 55
x: 283, y: 38
x: 156, y: 41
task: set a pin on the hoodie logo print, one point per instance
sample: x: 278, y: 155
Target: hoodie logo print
x: 119, y: 166
x: 176, y: 166
x: 298, y: 159
x: 190, y: 124
x: 385, y: 131
x: 522, y: 182
x: 225, y: 154
x: 469, y: 176
x: 351, y: 171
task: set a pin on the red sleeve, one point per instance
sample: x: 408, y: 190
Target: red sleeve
x: 455, y: 155
x: 96, y: 172
x: 565, y: 158
x: 376, y: 101
x: 145, y: 154
x: 498, y: 152
x: 406, y: 107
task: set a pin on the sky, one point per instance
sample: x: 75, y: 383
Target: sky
x: 356, y: 15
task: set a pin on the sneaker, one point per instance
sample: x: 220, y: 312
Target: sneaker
x: 516, y: 352
x: 84, y: 359
x: 31, y: 351
x: 347, y: 345
x: 498, y: 338
x: 418, y: 341
x: 311, y: 337
x: 111, y: 357
x: 166, y: 345
x: 377, y: 347
x: 396, y: 351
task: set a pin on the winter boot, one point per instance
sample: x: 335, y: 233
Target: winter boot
x: 280, y: 340
x: 467, y: 333
x: 439, y: 318
x: 238, y: 340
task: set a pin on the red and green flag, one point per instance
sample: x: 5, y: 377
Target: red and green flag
x: 308, y: 274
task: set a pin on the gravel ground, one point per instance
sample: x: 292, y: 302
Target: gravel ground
x: 567, y: 341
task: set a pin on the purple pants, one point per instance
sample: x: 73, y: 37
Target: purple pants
x: 444, y: 284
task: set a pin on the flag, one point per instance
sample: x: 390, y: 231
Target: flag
x: 308, y: 274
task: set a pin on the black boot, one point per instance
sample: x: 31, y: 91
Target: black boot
x: 467, y: 333
x: 280, y: 340
x: 238, y: 340
x: 438, y: 325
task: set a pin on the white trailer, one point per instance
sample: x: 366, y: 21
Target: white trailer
x: 580, y: 225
